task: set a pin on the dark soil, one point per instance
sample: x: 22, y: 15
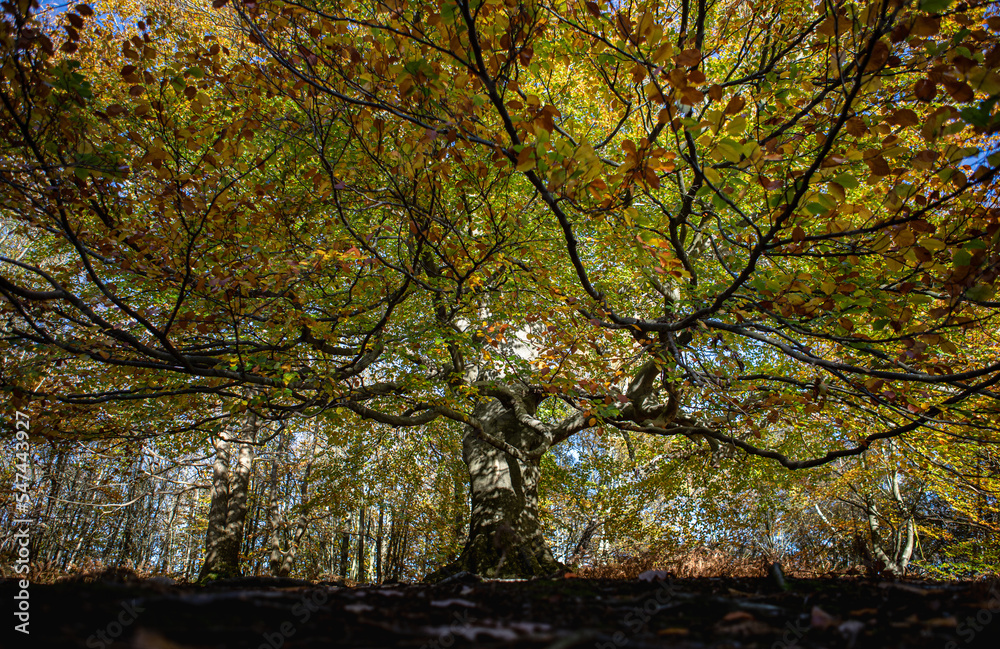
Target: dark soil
x: 552, y: 614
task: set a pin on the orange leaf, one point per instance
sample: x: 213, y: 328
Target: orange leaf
x: 692, y: 96
x: 688, y: 58
x: 735, y: 105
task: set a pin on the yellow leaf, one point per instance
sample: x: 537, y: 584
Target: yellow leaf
x: 526, y: 159
x: 663, y: 53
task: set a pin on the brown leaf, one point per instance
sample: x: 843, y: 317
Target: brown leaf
x: 715, y: 92
x: 880, y: 54
x: 735, y: 105
x: 768, y: 184
x: 960, y: 92
x: 75, y: 20
x: 856, y: 127
x: 692, y: 96
x: 904, y: 117
x: 593, y: 9
x: 688, y: 58
x: 129, y: 74
x: 926, y: 26
x: 84, y: 10
x: 115, y: 109
x: 135, y: 91
x: 219, y: 3
x: 899, y: 33
x: 925, y: 89
x: 879, y: 166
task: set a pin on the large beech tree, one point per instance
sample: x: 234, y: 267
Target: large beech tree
x: 762, y: 228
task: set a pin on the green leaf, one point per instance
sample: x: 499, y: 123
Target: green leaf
x: 847, y: 181
x: 962, y: 258
x: 934, y: 6
x: 730, y: 150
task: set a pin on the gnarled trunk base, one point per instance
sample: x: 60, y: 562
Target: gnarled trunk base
x: 505, y: 534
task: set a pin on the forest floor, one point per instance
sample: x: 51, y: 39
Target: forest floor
x: 545, y: 613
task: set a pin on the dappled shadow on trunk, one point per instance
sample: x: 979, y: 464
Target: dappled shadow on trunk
x: 505, y: 533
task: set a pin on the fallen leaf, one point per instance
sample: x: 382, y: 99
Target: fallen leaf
x: 820, y: 619
x: 673, y: 630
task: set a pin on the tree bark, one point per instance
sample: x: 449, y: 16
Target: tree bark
x: 218, y: 510
x: 505, y: 533
x: 362, y: 575
x: 228, y: 509
x: 345, y: 540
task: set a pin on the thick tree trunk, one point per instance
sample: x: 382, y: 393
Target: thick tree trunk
x: 228, y: 509
x: 236, y: 516
x: 505, y: 533
x: 218, y: 509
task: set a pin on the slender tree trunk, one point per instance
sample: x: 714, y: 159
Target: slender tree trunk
x: 274, y: 519
x: 283, y: 560
x: 345, y: 547
x: 583, y: 545
x: 378, y: 543
x: 362, y: 519
x: 168, y: 540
